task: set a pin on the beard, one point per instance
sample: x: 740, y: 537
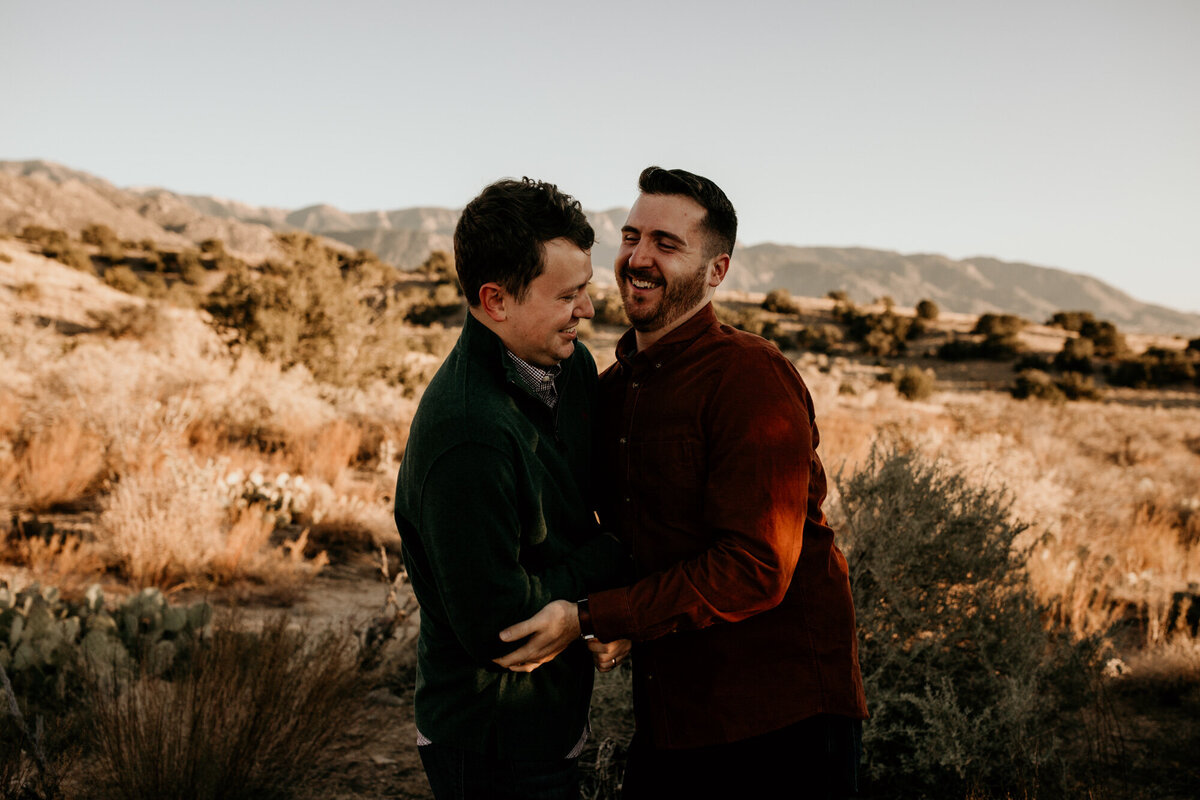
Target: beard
x: 678, y: 298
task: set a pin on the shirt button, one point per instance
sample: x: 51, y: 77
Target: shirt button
x: 627, y: 499
x: 622, y: 440
x: 635, y: 384
x: 658, y: 366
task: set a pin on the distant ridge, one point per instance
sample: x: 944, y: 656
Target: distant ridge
x: 49, y: 194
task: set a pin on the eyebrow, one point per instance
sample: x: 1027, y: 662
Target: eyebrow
x: 656, y: 234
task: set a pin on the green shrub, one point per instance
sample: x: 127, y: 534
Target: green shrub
x: 610, y: 311
x: 969, y: 694
x: 882, y: 335
x: 780, y: 301
x: 1076, y: 356
x: 1032, y: 361
x: 914, y: 383
x: 751, y: 320
x: 1035, y: 383
x: 928, y: 310
x: 1071, y: 320
x: 1077, y: 386
x: 124, y: 279
x: 993, y: 347
x: 1108, y: 341
x: 999, y: 325
x: 57, y: 244
x: 1155, y: 368
x: 818, y: 338
x: 191, y: 269
x: 309, y: 309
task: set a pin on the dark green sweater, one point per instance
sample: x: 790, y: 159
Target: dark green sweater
x: 495, y: 511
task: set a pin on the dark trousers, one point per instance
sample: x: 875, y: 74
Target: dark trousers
x: 814, y: 759
x: 456, y: 774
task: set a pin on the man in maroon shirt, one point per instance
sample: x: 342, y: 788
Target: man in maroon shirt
x: 746, y: 678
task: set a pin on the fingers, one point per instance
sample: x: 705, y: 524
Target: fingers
x: 607, y: 656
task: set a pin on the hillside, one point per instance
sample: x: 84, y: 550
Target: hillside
x: 43, y: 193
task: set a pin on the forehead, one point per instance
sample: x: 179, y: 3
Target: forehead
x: 672, y: 213
x: 566, y: 266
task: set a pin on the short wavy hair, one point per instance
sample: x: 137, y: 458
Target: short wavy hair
x: 720, y: 219
x: 501, y: 234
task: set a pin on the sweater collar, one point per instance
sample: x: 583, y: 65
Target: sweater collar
x: 483, y: 345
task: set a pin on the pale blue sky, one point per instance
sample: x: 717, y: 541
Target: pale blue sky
x: 1064, y: 134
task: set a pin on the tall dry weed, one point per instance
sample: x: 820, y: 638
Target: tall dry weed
x: 59, y: 464
x: 252, y: 715
x: 174, y: 523
x: 326, y: 452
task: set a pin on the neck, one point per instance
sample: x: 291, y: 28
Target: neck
x: 646, y: 339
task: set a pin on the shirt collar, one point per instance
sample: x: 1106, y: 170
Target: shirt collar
x: 673, y: 343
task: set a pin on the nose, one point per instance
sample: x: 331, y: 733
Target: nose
x: 584, y: 308
x: 640, y: 257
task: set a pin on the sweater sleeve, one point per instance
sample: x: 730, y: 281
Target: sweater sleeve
x: 471, y: 533
x: 758, y: 449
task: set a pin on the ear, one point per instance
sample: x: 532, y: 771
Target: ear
x: 493, y: 301
x: 720, y: 267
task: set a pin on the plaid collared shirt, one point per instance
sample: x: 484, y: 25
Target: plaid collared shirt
x: 538, y: 380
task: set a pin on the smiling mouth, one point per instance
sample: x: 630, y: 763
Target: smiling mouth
x: 643, y: 283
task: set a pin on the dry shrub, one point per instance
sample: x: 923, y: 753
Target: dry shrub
x: 252, y: 715
x: 173, y: 523
x: 325, y: 452
x: 60, y: 464
x: 351, y: 522
x: 968, y: 690
x: 62, y: 560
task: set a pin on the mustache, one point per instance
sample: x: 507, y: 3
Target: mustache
x: 640, y: 273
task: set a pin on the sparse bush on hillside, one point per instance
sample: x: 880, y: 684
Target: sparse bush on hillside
x: 970, y: 695
x: 838, y: 296
x: 57, y: 244
x: 751, y: 320
x: 818, y: 338
x: 303, y: 311
x: 1193, y: 345
x: 1071, y: 320
x: 999, y: 325
x: 914, y: 383
x: 610, y: 310
x: 1076, y: 356
x: 883, y: 335
x: 1108, y: 341
x: 999, y: 342
x: 780, y: 301
x: 1034, y: 383
x: 928, y: 310
x: 1157, y: 367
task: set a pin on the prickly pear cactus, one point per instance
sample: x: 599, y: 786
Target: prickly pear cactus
x: 43, y: 639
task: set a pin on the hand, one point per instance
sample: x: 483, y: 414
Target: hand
x: 609, y: 655
x: 549, y: 631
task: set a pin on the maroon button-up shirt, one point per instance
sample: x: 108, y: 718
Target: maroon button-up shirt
x: 741, y: 615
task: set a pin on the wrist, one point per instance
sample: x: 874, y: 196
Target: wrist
x: 586, y: 630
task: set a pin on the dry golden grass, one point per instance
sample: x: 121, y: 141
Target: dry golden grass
x: 63, y: 560
x: 174, y: 523
x: 1110, y: 491
x: 59, y: 464
x: 324, y: 453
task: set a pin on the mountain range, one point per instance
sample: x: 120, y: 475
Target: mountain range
x: 52, y: 195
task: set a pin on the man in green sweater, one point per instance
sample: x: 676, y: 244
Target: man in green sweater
x: 494, y: 502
